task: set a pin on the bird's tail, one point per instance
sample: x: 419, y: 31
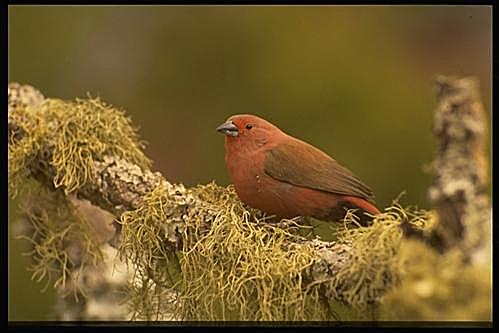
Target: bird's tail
x: 365, y: 206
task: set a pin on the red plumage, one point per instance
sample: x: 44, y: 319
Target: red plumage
x: 282, y: 175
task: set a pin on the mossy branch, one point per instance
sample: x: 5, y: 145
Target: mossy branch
x: 115, y: 185
x: 198, y: 253
x: 459, y: 189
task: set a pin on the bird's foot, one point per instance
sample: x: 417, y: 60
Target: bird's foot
x: 297, y: 221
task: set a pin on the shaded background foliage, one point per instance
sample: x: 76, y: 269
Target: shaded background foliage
x: 353, y: 80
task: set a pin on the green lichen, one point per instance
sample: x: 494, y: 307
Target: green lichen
x: 61, y: 241
x: 243, y: 268
x: 235, y: 265
x: 374, y: 254
x: 232, y: 265
x: 60, y: 141
x: 69, y: 136
x: 438, y: 287
x: 148, y: 243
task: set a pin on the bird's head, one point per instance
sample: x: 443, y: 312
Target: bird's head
x: 248, y: 130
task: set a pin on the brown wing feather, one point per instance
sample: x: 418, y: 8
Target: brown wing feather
x: 299, y: 163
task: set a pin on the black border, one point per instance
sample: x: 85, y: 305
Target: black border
x: 54, y: 325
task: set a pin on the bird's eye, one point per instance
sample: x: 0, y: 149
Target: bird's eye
x: 249, y: 126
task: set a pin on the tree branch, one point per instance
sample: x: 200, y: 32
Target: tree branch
x: 458, y: 191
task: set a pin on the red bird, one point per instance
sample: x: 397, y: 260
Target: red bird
x: 282, y: 175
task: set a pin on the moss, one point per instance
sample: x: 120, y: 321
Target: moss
x: 243, y: 268
x: 149, y: 239
x: 372, y: 268
x: 76, y: 133
x: 63, y: 139
x: 232, y: 265
x: 438, y: 287
x: 62, y: 243
x: 235, y: 265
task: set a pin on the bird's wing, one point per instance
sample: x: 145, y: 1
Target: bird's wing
x: 299, y: 163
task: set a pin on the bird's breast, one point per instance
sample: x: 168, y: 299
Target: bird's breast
x: 246, y: 173
x: 257, y: 189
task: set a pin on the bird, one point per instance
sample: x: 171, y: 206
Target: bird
x: 287, y: 177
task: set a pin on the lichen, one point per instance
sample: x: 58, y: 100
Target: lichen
x: 70, y: 136
x: 235, y: 265
x: 150, y: 242
x: 438, y: 287
x: 61, y: 141
x: 372, y: 268
x: 62, y: 243
x: 243, y: 268
x: 231, y: 264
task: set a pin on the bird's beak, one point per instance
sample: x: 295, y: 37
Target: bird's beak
x: 228, y: 128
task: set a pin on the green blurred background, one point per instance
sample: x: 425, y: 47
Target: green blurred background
x: 355, y: 81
